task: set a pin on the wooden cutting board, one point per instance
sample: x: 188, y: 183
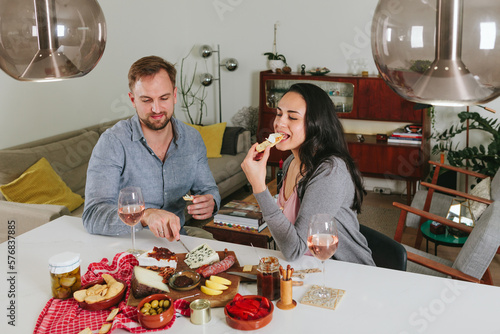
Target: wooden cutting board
x: 215, y: 301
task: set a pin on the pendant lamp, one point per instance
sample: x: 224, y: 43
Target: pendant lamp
x: 48, y: 40
x: 439, y: 52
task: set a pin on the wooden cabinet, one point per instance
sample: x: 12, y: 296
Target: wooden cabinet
x: 357, y: 98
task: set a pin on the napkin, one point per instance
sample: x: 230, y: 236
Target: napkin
x: 64, y: 316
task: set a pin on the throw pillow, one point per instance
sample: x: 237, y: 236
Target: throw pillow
x: 212, y: 137
x: 482, y: 189
x: 230, y: 140
x: 40, y: 184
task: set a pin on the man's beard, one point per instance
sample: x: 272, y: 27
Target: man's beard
x: 155, y: 125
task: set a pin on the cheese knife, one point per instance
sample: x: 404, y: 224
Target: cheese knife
x: 253, y: 277
x: 245, y: 275
x: 187, y: 249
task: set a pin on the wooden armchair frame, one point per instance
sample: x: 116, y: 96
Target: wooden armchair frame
x: 426, y: 215
x: 430, y: 192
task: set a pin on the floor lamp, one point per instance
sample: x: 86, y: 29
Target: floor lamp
x: 206, y: 79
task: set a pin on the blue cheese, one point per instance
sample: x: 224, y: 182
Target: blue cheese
x: 200, y: 256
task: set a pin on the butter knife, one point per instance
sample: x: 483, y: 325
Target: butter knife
x: 187, y: 249
x: 245, y: 275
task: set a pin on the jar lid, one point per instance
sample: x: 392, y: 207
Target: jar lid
x: 268, y: 264
x: 64, y: 262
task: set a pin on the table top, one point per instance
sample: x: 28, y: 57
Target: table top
x: 377, y: 300
x: 445, y: 238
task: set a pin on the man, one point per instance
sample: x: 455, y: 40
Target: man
x: 153, y: 151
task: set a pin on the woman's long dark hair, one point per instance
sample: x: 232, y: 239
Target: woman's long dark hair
x: 324, y: 139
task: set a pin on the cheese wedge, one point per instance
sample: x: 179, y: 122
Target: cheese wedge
x: 200, y: 256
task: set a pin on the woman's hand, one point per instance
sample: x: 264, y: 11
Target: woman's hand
x: 255, y: 168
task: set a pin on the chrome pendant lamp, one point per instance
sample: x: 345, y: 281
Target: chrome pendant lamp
x: 49, y: 40
x: 439, y: 52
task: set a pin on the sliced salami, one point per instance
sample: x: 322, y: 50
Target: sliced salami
x: 218, y: 267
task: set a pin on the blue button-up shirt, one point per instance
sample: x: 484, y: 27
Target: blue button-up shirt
x: 122, y: 158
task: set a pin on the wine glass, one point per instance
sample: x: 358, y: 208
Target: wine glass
x: 130, y: 210
x: 322, y: 241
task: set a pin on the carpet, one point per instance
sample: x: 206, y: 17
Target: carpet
x: 384, y: 220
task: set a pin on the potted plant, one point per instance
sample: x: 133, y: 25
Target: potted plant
x: 482, y: 159
x: 275, y: 59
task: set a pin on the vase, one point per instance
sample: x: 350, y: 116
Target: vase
x: 274, y: 64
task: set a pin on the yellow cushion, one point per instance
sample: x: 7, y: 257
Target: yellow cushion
x: 40, y: 184
x: 212, y: 137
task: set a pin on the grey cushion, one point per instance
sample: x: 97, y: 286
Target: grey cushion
x: 226, y: 166
x: 68, y: 157
x: 417, y: 268
x: 495, y: 187
x: 482, y: 244
x: 440, y: 205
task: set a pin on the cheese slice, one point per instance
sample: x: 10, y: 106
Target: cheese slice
x: 148, y: 261
x: 200, y: 256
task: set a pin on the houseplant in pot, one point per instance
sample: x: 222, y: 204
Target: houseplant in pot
x: 276, y: 60
x: 483, y: 159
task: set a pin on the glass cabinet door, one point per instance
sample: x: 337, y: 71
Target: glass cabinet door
x: 341, y: 93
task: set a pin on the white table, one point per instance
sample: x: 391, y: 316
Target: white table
x: 376, y: 300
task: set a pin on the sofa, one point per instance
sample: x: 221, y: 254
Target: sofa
x: 69, y: 154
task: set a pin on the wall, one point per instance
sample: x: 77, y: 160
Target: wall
x: 317, y: 33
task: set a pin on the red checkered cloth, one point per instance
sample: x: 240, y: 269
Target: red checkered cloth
x: 64, y: 316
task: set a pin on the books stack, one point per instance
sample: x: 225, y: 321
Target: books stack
x: 240, y: 215
x: 400, y: 136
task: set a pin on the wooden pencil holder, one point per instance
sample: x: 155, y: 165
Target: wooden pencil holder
x: 286, y: 302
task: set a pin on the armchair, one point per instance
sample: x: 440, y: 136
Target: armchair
x: 474, y: 258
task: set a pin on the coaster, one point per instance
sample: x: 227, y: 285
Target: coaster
x: 331, y: 303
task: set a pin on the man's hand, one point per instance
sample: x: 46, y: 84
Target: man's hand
x: 202, y: 207
x: 162, y: 223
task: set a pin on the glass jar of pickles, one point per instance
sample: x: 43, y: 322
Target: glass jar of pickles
x: 268, y: 278
x: 65, y: 274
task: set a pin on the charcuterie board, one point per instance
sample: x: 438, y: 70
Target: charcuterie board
x: 190, y: 295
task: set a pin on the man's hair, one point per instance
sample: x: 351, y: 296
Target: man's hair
x: 147, y: 66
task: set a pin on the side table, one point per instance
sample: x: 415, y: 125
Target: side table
x: 261, y: 239
x: 445, y: 239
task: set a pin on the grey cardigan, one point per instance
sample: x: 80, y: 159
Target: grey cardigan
x: 330, y: 190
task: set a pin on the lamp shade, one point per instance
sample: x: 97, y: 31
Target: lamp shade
x: 46, y: 40
x: 439, y: 52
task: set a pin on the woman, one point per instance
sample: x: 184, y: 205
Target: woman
x: 319, y: 177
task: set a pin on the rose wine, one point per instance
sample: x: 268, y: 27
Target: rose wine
x: 322, y: 246
x: 131, y: 214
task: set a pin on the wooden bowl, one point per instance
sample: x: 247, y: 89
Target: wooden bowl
x: 248, y: 325
x: 157, y: 320
x: 188, y: 273
x: 105, y: 304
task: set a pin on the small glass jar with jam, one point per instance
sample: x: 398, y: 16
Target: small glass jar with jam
x: 65, y: 274
x: 268, y: 278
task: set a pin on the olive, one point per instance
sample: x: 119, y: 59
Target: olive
x: 154, y: 304
x: 159, y: 310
